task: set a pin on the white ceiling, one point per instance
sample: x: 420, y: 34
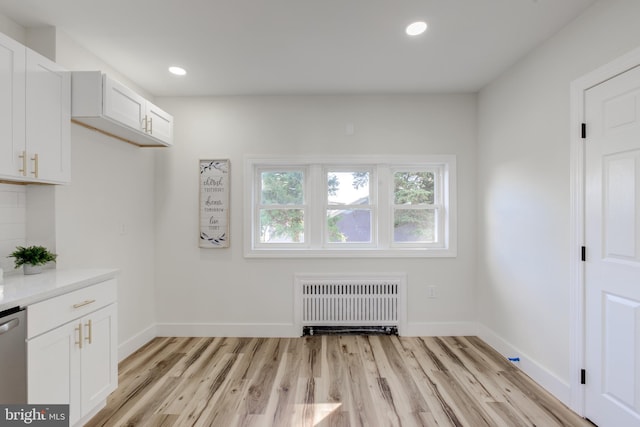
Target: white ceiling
x: 234, y: 47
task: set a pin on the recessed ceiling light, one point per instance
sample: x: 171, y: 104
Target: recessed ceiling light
x: 416, y: 28
x: 178, y: 71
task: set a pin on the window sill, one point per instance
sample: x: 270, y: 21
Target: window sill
x: 352, y: 253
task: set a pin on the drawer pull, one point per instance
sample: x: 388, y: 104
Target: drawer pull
x: 82, y: 304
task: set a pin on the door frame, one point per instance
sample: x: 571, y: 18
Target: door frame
x: 577, y: 221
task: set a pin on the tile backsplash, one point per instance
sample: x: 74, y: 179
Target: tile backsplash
x: 13, y: 221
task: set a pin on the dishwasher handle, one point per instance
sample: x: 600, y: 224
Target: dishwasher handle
x: 7, y: 326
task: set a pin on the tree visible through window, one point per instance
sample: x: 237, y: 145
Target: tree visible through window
x: 414, y: 211
x: 282, y: 207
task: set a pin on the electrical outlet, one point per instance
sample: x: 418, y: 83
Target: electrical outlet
x: 432, y: 292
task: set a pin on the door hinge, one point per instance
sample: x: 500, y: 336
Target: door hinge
x: 583, y: 376
x: 583, y: 254
x: 583, y: 130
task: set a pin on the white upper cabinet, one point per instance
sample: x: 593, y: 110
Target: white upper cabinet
x: 35, y: 110
x: 122, y: 104
x: 159, y: 123
x: 12, y: 113
x: 108, y: 106
x: 48, y: 102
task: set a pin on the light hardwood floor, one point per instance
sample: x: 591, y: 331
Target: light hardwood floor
x: 319, y: 381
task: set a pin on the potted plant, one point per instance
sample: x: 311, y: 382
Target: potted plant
x: 32, y: 258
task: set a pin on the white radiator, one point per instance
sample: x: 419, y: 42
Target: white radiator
x: 351, y: 300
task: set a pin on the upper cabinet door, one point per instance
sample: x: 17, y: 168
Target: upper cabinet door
x: 12, y: 105
x: 159, y: 124
x: 122, y: 104
x: 48, y: 119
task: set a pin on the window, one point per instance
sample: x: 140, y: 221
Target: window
x: 417, y: 206
x: 281, y: 208
x: 352, y: 206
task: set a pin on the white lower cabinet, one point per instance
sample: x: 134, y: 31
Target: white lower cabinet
x: 75, y: 362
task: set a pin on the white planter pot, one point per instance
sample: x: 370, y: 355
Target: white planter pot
x: 32, y: 269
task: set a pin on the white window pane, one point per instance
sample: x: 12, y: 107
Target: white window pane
x: 281, y: 226
x: 282, y: 188
x: 349, y: 225
x: 348, y: 188
x: 414, y: 225
x: 413, y: 188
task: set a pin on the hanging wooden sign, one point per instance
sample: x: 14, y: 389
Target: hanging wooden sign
x: 214, y: 203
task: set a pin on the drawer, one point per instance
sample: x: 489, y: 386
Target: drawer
x: 51, y: 313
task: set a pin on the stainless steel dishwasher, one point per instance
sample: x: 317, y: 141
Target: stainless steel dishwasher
x: 13, y: 356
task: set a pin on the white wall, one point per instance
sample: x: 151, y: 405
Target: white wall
x: 218, y: 291
x: 523, y: 189
x: 105, y: 219
x: 12, y: 29
x: 13, y: 222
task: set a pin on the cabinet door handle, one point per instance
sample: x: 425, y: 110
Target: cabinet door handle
x: 35, y: 165
x: 151, y: 125
x: 89, y: 336
x: 83, y: 303
x: 79, y: 329
x: 23, y: 156
x: 144, y: 122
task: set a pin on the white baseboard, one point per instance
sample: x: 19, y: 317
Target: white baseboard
x: 545, y: 378
x: 280, y: 330
x: 442, y: 329
x: 128, y: 347
x: 82, y: 421
x: 289, y: 330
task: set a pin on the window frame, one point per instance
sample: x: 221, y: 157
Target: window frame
x: 316, y: 170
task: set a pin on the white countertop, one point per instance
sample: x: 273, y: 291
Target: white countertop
x: 21, y: 290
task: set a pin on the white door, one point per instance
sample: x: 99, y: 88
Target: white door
x: 612, y: 238
x: 53, y: 368
x: 99, y: 356
x: 12, y: 95
x: 122, y: 104
x: 160, y: 124
x: 48, y: 119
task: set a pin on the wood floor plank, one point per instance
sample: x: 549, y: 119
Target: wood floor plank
x: 386, y: 409
x: 362, y: 408
x: 192, y: 369
x: 284, y: 394
x: 144, y: 411
x: 422, y: 366
x: 400, y: 388
x: 209, y: 385
x: 508, y: 416
x: 323, y: 381
x: 125, y: 397
x: 478, y: 363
